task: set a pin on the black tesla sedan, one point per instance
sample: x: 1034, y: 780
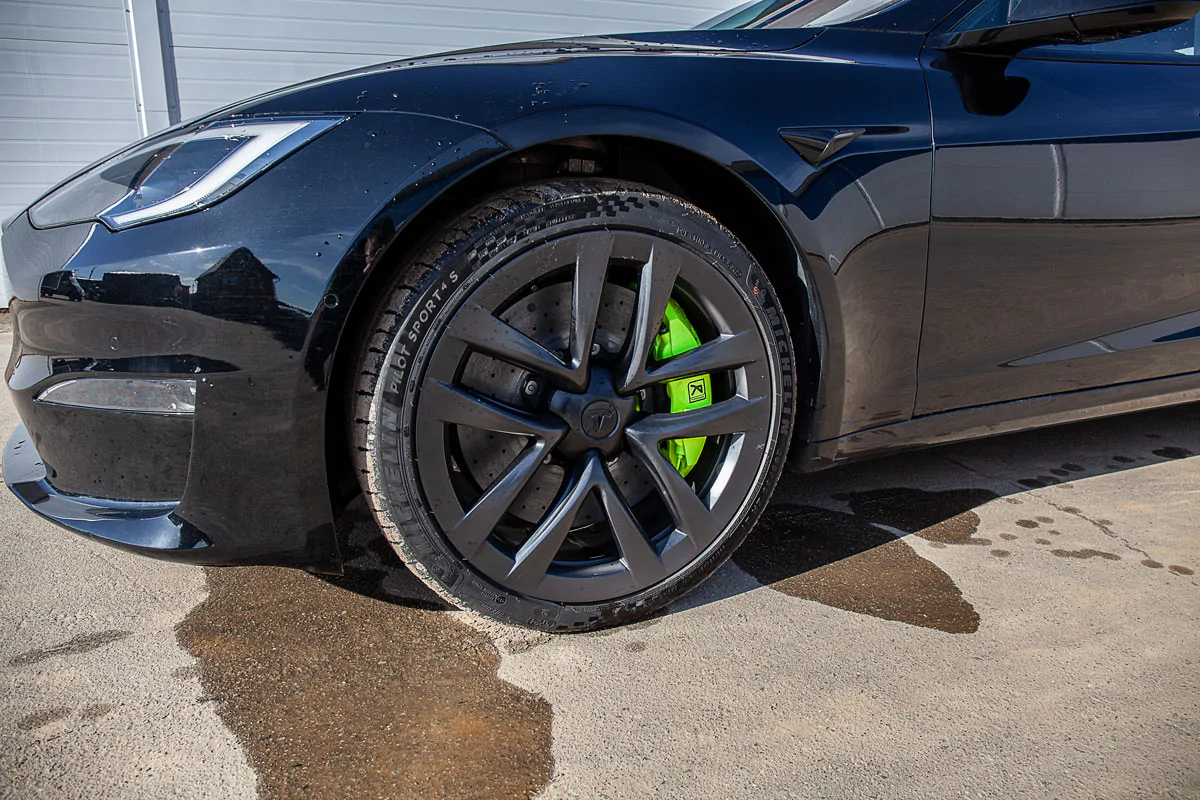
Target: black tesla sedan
x: 561, y: 311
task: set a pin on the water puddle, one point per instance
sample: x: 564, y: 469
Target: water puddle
x: 337, y: 692
x: 844, y: 561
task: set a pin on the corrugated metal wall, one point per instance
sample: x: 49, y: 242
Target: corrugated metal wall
x: 66, y: 95
x: 73, y: 90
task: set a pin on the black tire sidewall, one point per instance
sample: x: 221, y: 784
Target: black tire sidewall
x: 544, y: 213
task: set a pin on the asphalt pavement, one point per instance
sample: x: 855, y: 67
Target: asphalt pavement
x: 1011, y: 618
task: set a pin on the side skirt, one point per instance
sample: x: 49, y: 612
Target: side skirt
x: 1000, y: 418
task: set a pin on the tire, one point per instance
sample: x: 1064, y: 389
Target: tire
x: 510, y: 412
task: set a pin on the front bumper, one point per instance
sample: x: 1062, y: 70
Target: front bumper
x: 146, y: 527
x: 240, y: 481
x: 248, y: 299
x: 116, y: 476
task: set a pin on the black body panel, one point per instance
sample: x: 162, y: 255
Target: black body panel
x: 1077, y: 269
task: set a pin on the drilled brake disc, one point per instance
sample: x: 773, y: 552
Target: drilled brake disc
x: 545, y: 316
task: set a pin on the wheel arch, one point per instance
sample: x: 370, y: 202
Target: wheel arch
x: 702, y: 169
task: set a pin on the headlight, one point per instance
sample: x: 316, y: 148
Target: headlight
x: 176, y: 173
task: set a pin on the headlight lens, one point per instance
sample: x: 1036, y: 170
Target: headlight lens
x: 176, y: 173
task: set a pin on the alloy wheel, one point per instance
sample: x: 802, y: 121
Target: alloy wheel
x: 543, y: 418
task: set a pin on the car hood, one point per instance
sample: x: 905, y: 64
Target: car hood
x: 699, y: 43
x: 670, y: 42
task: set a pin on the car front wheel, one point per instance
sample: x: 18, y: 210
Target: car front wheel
x: 573, y: 403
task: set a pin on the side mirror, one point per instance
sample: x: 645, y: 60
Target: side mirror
x: 1063, y: 26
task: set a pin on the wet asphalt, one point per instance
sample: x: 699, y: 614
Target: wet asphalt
x: 1016, y: 617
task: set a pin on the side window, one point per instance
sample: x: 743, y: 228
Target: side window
x: 1173, y: 45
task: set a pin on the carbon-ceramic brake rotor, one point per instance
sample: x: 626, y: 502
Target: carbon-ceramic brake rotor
x: 545, y: 316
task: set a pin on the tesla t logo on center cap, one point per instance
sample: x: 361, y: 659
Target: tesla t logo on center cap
x: 600, y: 419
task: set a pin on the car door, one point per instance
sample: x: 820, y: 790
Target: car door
x: 1065, y: 236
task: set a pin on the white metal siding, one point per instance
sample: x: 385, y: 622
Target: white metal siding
x: 66, y: 96
x: 229, y: 49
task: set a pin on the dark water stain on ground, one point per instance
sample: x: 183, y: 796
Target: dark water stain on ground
x: 844, y: 561
x: 43, y: 718
x: 1086, y: 553
x: 947, y: 517
x: 1040, y: 482
x: 1174, y: 453
x: 375, y: 570
x: 79, y: 644
x: 97, y: 710
x: 340, y: 694
x: 1178, y: 570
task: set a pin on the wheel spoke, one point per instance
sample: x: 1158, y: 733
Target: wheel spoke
x: 655, y: 285
x: 535, y: 556
x: 727, y: 352
x: 457, y: 407
x: 469, y: 535
x: 636, y: 551
x: 736, y: 415
x: 490, y: 334
x: 691, y: 515
x: 591, y: 269
x: 533, y: 560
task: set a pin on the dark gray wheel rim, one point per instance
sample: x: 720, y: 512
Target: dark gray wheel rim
x: 577, y: 406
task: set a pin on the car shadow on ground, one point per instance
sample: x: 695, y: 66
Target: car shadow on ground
x: 839, y: 537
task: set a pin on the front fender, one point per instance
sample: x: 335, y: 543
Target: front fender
x: 435, y: 154
x: 857, y: 225
x: 859, y: 219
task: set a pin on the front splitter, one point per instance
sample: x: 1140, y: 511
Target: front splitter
x: 150, y: 528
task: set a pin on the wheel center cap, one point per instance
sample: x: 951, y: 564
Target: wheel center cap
x: 600, y: 419
x: 595, y: 417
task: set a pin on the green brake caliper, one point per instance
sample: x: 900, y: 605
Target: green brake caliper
x: 685, y: 394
